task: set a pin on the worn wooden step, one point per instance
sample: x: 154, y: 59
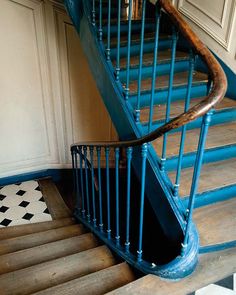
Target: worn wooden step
x: 53, y: 199
x: 218, y: 136
x: 58, y: 271
x: 163, y: 57
x: 216, y: 223
x: 36, y: 239
x: 213, y: 176
x: 25, y: 229
x: 32, y: 256
x: 177, y: 108
x: 96, y: 283
x: 212, y: 267
x: 162, y: 82
x: 135, y: 38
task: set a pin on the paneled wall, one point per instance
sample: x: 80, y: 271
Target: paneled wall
x: 48, y: 98
x: 215, y: 23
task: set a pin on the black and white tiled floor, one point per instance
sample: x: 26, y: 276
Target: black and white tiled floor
x: 22, y: 203
x: 226, y: 286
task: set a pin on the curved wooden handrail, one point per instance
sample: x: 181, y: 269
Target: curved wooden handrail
x: 217, y: 92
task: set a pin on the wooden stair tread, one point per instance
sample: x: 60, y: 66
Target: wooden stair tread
x: 214, y: 175
x: 212, y: 267
x: 96, y: 283
x: 46, y: 252
x: 177, y: 108
x: 135, y: 38
x: 53, y: 199
x: 163, y: 56
x: 58, y: 271
x: 216, y: 223
x: 26, y: 229
x: 162, y: 82
x: 40, y: 238
x: 227, y: 136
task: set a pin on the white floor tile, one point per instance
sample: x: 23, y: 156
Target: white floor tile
x: 9, y: 189
x: 19, y: 222
x: 215, y: 290
x: 15, y: 213
x: 36, y: 207
x: 11, y: 201
x: 41, y: 218
x: 32, y: 196
x: 29, y: 185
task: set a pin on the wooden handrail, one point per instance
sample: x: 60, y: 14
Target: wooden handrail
x: 217, y: 92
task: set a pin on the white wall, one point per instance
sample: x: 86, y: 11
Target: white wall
x: 48, y: 98
x: 215, y: 23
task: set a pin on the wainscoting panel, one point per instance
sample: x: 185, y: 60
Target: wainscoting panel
x: 27, y: 131
x: 214, y: 21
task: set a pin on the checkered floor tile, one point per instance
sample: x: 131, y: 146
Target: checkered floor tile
x: 22, y: 203
x: 226, y: 286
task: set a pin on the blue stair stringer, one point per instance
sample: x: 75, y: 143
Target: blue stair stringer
x: 169, y: 211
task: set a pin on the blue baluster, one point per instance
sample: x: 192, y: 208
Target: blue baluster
x: 86, y: 182
x: 108, y: 50
x: 100, y: 189
x: 117, y: 237
x: 82, y: 181
x: 184, y: 128
x: 137, y: 111
x: 129, y: 158
x: 93, y: 14
x: 170, y: 88
x: 196, y: 176
x: 75, y: 165
x: 118, y: 42
x: 128, y: 50
x: 100, y: 21
x: 154, y: 68
x: 107, y: 152
x: 92, y: 184
x: 142, y: 195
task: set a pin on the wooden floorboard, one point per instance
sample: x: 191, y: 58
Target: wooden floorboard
x: 162, y: 82
x: 35, y: 255
x: 211, y: 268
x: 48, y: 274
x: 218, y: 136
x: 53, y: 199
x: 97, y: 283
x: 36, y: 239
x: 216, y: 223
x: 177, y: 108
x: 214, y: 175
x: 26, y: 229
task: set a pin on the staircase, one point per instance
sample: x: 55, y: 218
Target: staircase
x: 57, y: 257
x: 165, y: 94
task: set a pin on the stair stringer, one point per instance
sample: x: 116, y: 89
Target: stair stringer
x: 167, y: 211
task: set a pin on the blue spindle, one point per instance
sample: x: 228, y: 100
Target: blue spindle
x: 154, y: 68
x: 108, y: 50
x: 75, y: 165
x: 128, y: 50
x: 100, y: 189
x: 184, y: 128
x: 92, y: 183
x: 118, y: 43
x: 93, y: 14
x: 117, y: 237
x: 171, y: 78
x: 107, y: 152
x: 86, y: 182
x: 137, y: 111
x: 82, y: 181
x: 100, y: 21
x: 129, y: 158
x: 196, y: 176
x: 142, y: 195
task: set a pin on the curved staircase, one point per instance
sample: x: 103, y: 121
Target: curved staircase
x: 163, y: 90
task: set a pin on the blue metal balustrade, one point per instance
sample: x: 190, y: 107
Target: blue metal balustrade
x: 124, y: 39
